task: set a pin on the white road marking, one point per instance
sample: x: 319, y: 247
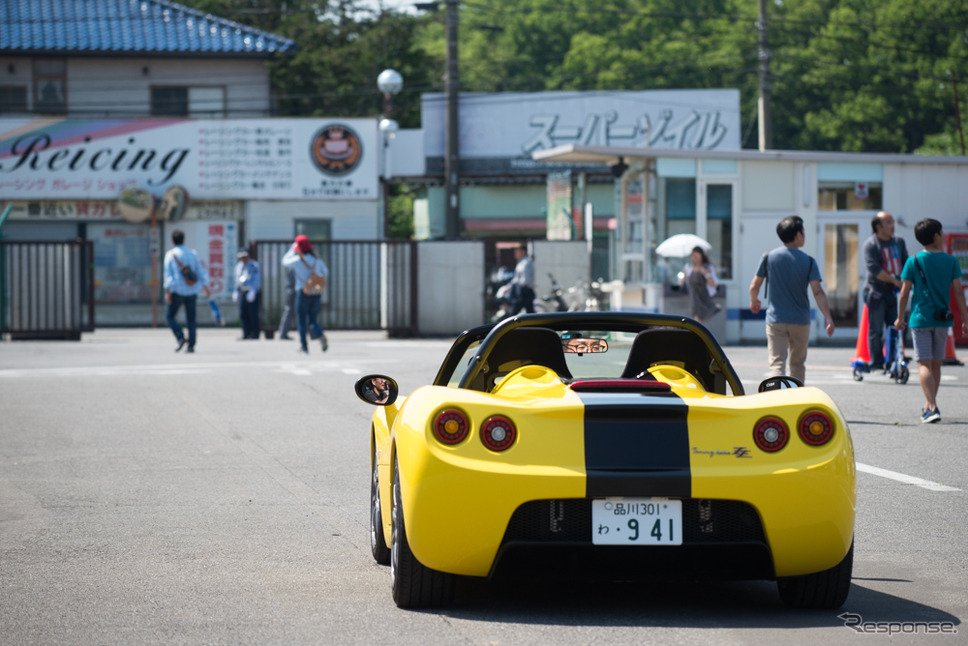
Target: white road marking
x: 906, y: 479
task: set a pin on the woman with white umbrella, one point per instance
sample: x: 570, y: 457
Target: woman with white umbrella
x: 700, y: 275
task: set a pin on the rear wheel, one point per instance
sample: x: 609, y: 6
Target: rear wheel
x: 414, y: 585
x: 378, y: 541
x: 821, y: 590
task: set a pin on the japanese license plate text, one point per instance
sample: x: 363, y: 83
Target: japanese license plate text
x: 636, y: 521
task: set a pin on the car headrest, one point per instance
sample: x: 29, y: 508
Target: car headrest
x: 670, y: 344
x: 528, y: 346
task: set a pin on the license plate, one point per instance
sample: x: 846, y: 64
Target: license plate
x: 636, y: 521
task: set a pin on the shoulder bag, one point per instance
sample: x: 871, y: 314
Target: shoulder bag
x: 315, y: 283
x: 186, y: 272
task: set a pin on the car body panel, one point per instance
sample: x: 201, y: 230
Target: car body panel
x: 683, y: 442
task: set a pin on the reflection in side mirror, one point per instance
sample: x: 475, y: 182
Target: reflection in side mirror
x: 378, y: 390
x: 581, y: 345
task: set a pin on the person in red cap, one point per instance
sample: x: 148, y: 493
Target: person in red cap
x: 310, y: 271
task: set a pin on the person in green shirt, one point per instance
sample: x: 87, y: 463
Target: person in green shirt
x: 927, y: 279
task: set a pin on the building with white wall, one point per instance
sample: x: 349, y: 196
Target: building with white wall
x: 734, y: 199
x: 101, y: 96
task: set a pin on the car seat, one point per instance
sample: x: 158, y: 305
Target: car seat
x: 523, y: 346
x: 677, y: 346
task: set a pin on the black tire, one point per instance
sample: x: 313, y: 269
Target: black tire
x: 902, y: 376
x: 414, y: 585
x: 857, y: 375
x: 378, y: 541
x: 825, y: 590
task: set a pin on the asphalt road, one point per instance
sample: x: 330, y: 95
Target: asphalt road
x: 148, y: 497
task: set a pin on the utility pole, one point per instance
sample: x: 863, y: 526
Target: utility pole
x: 452, y: 154
x: 763, y: 101
x: 961, y: 131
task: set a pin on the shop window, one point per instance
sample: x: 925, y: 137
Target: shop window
x: 169, y: 101
x: 178, y: 101
x: 13, y: 98
x: 719, y: 227
x: 681, y: 199
x: 849, y: 196
x: 122, y: 262
x: 50, y: 83
x: 841, y: 279
x: 314, y: 229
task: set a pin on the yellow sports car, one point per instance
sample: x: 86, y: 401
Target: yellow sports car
x: 615, y: 443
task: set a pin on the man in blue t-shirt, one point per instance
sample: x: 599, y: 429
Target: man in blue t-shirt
x: 930, y: 274
x: 787, y: 272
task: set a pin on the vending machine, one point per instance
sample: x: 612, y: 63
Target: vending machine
x: 957, y: 245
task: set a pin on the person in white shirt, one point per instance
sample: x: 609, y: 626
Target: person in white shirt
x: 183, y: 278
x: 248, y: 284
x: 522, y: 284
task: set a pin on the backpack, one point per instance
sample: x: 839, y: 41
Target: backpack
x: 190, y: 277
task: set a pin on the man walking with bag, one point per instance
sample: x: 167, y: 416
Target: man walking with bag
x: 930, y: 275
x: 184, y: 277
x: 789, y: 272
x: 311, y: 273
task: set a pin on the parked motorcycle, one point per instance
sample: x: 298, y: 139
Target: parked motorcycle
x: 554, y: 301
x: 586, y: 296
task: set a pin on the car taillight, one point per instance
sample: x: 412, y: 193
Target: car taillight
x: 816, y: 428
x: 450, y: 426
x: 770, y: 434
x: 498, y: 433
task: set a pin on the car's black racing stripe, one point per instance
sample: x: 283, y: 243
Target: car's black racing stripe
x: 636, y: 445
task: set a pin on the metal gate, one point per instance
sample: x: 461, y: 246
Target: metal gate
x: 371, y: 286
x: 47, y: 289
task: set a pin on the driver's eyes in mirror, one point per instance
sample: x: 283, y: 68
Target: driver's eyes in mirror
x: 582, y: 346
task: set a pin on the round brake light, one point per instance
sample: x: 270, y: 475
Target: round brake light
x: 498, y: 433
x: 450, y: 427
x: 770, y: 434
x: 816, y: 428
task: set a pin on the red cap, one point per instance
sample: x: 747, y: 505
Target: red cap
x: 303, y: 244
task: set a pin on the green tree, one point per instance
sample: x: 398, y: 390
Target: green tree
x: 866, y: 75
x: 852, y: 75
x: 342, y: 48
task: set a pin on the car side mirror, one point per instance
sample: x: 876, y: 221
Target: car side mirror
x: 779, y: 383
x: 378, y: 390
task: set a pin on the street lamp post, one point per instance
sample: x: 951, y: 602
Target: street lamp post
x: 389, y: 82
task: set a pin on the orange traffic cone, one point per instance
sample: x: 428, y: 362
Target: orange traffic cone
x: 862, y: 355
x: 950, y: 359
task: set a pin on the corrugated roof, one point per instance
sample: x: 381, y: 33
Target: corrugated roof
x: 129, y: 27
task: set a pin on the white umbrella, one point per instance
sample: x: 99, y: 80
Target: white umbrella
x: 681, y: 245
